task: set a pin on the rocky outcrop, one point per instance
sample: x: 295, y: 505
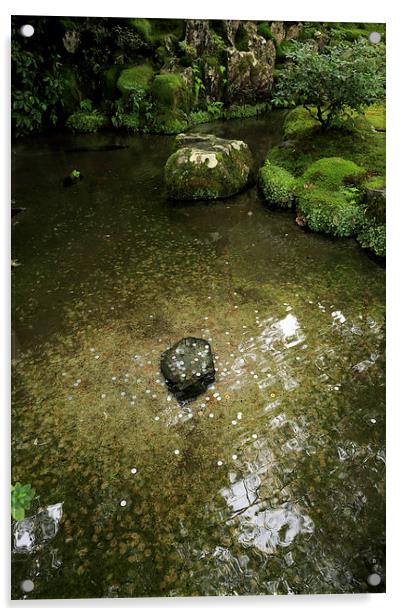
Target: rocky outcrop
x: 207, y: 167
x: 198, y: 35
x: 188, y: 368
x: 250, y: 72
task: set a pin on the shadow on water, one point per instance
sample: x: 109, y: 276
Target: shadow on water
x: 270, y: 482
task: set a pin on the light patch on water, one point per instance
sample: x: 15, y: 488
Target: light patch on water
x: 33, y: 532
x: 265, y: 528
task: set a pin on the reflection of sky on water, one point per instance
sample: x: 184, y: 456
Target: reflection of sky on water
x: 260, y: 526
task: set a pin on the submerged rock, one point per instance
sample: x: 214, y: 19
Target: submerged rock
x: 207, y: 167
x: 188, y: 368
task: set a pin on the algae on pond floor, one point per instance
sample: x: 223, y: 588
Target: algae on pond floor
x: 270, y: 482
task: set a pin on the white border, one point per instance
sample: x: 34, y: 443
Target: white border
x: 342, y: 10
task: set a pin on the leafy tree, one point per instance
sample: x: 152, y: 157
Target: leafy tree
x: 333, y: 82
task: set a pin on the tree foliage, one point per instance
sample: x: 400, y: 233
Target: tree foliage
x: 333, y: 82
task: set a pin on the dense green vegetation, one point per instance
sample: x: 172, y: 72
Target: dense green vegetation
x: 166, y: 76
x: 332, y: 83
x: 335, y: 171
x: 277, y: 185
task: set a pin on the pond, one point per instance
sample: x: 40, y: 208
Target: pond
x: 273, y: 481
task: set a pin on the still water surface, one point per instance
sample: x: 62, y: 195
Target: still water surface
x: 271, y: 482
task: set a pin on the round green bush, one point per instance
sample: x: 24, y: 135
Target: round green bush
x: 276, y: 185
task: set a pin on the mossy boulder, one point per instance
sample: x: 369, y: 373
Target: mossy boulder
x: 171, y: 91
x: 276, y: 185
x: 135, y: 79
x: 328, y: 196
x: 207, y: 167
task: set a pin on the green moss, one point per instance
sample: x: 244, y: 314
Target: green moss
x: 276, y: 185
x: 376, y: 181
x: 134, y: 79
x: 360, y: 145
x: 143, y: 27
x: 327, y: 198
x: 264, y: 30
x: 86, y: 121
x: 298, y: 121
x: 376, y: 116
x: 170, y: 91
x: 333, y: 173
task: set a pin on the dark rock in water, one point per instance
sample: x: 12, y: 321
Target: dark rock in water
x: 188, y: 368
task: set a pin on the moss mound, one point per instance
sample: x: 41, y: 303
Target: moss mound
x: 86, y: 121
x: 328, y: 197
x: 135, y: 79
x: 276, y: 185
x: 298, y: 122
x: 170, y: 91
x: 207, y: 167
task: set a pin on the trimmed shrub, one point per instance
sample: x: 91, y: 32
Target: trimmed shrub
x: 276, y: 185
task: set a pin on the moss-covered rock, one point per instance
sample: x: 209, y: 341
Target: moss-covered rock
x: 206, y: 167
x: 86, y: 121
x: 135, y: 79
x: 171, y: 91
x: 276, y: 185
x: 250, y: 64
x: 328, y: 197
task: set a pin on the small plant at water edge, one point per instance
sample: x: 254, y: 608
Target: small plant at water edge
x: 21, y: 499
